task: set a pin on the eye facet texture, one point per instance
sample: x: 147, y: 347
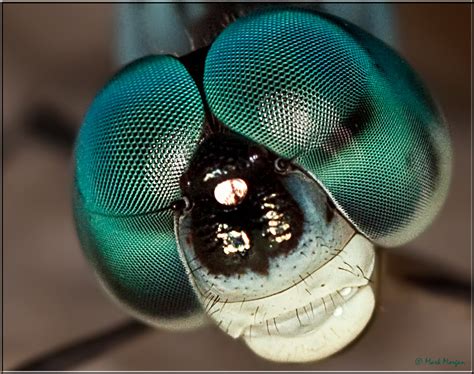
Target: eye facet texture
x: 345, y: 106
x: 135, y: 143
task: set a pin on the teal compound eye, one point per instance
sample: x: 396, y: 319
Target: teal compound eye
x: 298, y: 142
x: 345, y: 107
x: 134, y: 144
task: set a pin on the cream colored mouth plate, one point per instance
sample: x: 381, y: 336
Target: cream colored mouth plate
x: 311, y: 320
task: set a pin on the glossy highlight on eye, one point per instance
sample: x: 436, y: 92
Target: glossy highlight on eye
x: 233, y: 241
x: 231, y: 191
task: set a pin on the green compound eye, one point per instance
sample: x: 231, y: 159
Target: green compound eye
x: 345, y: 106
x: 135, y: 142
x: 298, y: 142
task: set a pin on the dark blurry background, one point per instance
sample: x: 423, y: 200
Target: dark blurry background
x: 56, y: 57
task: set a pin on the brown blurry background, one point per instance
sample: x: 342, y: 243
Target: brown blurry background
x: 56, y: 57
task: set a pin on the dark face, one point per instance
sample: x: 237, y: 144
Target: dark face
x: 241, y: 213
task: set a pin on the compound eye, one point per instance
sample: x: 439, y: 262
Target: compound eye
x: 345, y: 107
x: 127, y: 172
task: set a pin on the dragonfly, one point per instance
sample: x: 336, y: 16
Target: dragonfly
x: 250, y: 181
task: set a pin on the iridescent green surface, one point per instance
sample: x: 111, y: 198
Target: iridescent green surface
x: 135, y: 143
x: 345, y: 106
